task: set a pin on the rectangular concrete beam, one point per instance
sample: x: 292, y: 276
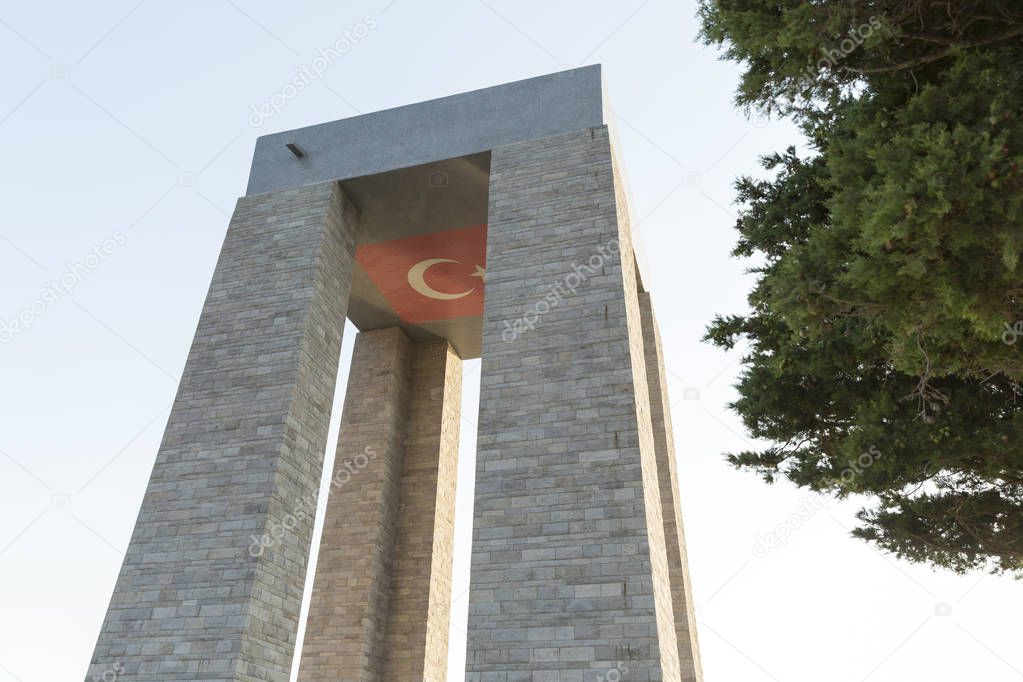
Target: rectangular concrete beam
x: 212, y: 582
x: 429, y: 131
x: 667, y: 471
x: 569, y: 569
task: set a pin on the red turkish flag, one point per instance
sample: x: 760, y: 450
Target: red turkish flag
x: 437, y: 276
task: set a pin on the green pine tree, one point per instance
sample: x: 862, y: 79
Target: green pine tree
x: 886, y: 324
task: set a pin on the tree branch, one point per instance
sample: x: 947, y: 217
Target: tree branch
x: 940, y: 54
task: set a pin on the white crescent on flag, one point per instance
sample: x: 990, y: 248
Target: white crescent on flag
x: 416, y: 280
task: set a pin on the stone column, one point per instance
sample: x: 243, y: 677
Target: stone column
x: 570, y: 575
x: 344, y: 637
x: 212, y: 582
x: 420, y: 608
x: 382, y: 589
x: 667, y: 471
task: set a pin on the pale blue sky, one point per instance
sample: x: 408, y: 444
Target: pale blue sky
x: 130, y: 121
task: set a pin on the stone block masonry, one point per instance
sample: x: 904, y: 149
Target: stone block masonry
x: 569, y: 569
x: 420, y: 611
x: 382, y: 590
x: 344, y: 638
x: 578, y: 566
x: 244, y: 441
x: 674, y: 534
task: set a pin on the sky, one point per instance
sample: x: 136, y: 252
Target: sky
x: 127, y: 131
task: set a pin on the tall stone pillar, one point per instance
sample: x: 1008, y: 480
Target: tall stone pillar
x: 667, y: 471
x: 212, y: 582
x: 419, y: 615
x: 344, y: 637
x: 570, y: 577
x: 382, y: 588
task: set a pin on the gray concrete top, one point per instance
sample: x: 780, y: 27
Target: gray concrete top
x: 429, y: 131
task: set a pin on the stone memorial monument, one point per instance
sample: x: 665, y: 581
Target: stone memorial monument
x: 489, y: 224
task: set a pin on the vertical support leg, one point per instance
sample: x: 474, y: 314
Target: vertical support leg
x: 674, y: 534
x: 420, y: 609
x: 212, y: 582
x: 569, y: 569
x: 345, y: 630
x: 382, y: 590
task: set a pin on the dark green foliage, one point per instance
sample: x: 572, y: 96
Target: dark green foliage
x: 883, y: 326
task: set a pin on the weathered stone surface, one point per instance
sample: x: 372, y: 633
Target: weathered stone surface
x: 579, y: 564
x: 667, y: 470
x: 344, y: 638
x: 212, y: 582
x: 381, y: 594
x: 569, y: 569
x: 419, y: 615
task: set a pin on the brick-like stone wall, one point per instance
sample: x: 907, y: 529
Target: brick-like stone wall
x: 420, y: 607
x: 654, y: 504
x: 569, y: 568
x: 208, y: 589
x: 344, y: 638
x: 674, y: 534
x: 381, y: 596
